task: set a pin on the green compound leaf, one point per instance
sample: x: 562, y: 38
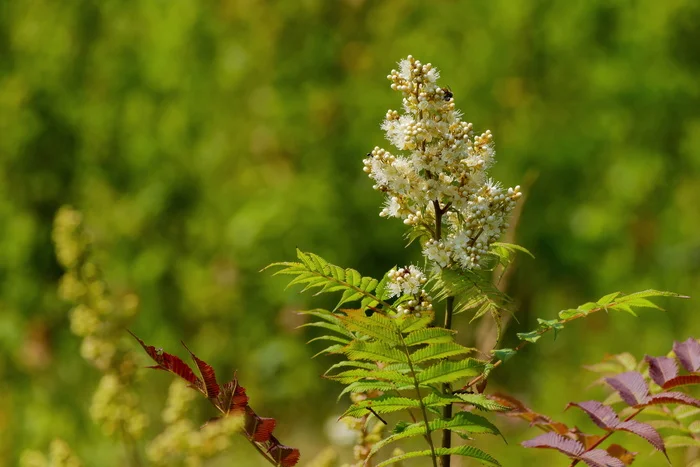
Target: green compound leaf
x: 429, y: 336
x: 374, y: 352
x: 381, y: 404
x: 463, y: 423
x: 465, y: 451
x: 448, y: 372
x: 438, y: 351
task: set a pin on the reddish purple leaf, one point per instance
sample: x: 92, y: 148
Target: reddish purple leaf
x: 600, y: 458
x: 688, y: 353
x: 602, y: 415
x: 684, y: 380
x: 259, y: 429
x: 232, y: 396
x: 568, y: 446
x: 662, y: 369
x: 171, y: 363
x: 631, y: 387
x: 645, y: 431
x: 208, y: 375
x: 283, y: 455
x: 673, y: 397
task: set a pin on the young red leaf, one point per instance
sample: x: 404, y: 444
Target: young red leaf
x: 673, y: 397
x: 631, y: 387
x: 645, y: 431
x: 600, y: 458
x: 171, y: 363
x: 602, y: 415
x: 683, y: 380
x: 661, y: 369
x: 259, y: 429
x: 283, y: 455
x: 627, y: 457
x: 568, y: 446
x: 232, y: 396
x: 688, y: 352
x: 208, y: 375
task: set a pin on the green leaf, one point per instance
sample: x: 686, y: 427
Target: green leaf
x: 462, y: 422
x: 482, y: 402
x: 503, y: 354
x: 381, y: 404
x: 465, y: 451
x: 675, y: 441
x: 532, y: 336
x: 429, y: 336
x: 316, y: 273
x: 410, y: 323
x: 366, y: 386
x: 438, y: 351
x: 552, y: 324
x: 607, y: 299
x: 350, y: 376
x: 374, y: 351
x: 377, y: 326
x: 513, y: 246
x: 447, y: 372
x: 365, y: 365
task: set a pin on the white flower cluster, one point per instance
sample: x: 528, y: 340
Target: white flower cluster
x: 405, y: 281
x: 442, y: 181
x: 410, y: 281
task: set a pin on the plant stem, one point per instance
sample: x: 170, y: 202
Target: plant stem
x: 445, y: 459
x: 447, y: 389
x: 416, y: 385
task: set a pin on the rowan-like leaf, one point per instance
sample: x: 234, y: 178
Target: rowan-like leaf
x: 232, y: 397
x: 688, y: 352
x: 568, y: 446
x: 447, y: 372
x: 676, y: 441
x: 673, y: 397
x: 602, y: 415
x: 211, y: 387
x: 661, y: 369
x: 429, y: 336
x: 283, y: 455
x: 171, y: 363
x: 464, y: 450
x: 461, y: 423
x: 350, y: 376
x: 645, y: 431
x: 258, y: 428
x: 631, y: 387
x: 439, y: 351
x: 482, y: 402
x: 376, y: 326
x: 368, y: 386
x: 374, y: 352
x: 381, y: 404
x: 600, y: 458
x: 683, y: 380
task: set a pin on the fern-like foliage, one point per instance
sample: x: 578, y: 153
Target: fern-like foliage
x: 315, y: 273
x: 398, y: 361
x: 472, y: 291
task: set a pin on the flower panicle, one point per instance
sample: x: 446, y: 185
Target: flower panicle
x: 441, y: 176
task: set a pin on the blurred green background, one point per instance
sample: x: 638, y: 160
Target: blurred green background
x: 205, y: 139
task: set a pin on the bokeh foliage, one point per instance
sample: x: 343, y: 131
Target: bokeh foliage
x: 205, y: 140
